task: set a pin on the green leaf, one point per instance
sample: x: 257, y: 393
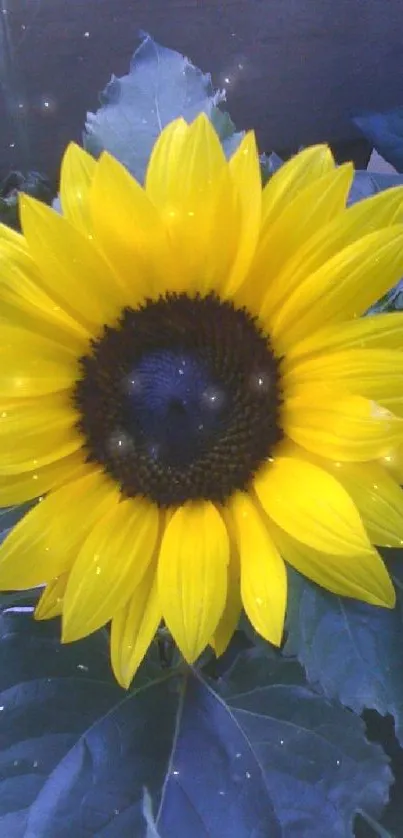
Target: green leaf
x: 161, y: 85
x: 352, y: 650
x: 385, y: 132
x: 257, y: 753
x: 314, y: 752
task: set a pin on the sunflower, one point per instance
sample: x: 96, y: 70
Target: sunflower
x: 190, y: 390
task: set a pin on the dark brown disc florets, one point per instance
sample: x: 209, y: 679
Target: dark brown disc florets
x: 180, y: 401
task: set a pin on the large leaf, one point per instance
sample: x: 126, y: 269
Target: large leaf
x: 312, y: 750
x: 48, y: 696
x: 385, y: 132
x: 161, y: 85
x: 258, y: 756
x: 352, y: 650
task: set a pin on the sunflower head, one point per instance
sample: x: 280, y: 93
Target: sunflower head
x: 188, y: 386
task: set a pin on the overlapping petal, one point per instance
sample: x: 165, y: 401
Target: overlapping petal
x: 134, y: 627
x: 110, y: 564
x: 345, y: 286
x: 36, y: 432
x: 72, y: 270
x: 311, y: 506
x: 233, y: 605
x: 293, y: 177
x: 340, y: 427
x: 374, y: 373
x: 192, y: 575
x: 263, y: 573
x: 383, y: 331
x: 26, y: 485
x: 362, y: 219
x: 188, y: 179
x: 246, y: 178
x: 312, y: 209
x: 363, y: 577
x: 50, y: 603
x: 32, y: 365
x: 25, y: 304
x: 76, y: 176
x: 44, y: 544
x: 133, y: 238
x: 377, y: 497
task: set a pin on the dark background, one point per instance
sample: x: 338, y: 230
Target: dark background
x: 297, y: 69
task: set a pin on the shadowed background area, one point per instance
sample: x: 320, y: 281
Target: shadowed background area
x: 296, y: 70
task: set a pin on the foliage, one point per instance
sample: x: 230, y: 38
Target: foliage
x: 385, y: 132
x: 255, y: 752
x: 161, y: 85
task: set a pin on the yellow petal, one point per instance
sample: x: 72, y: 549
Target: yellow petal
x: 377, y: 497
x: 72, y: 271
x: 263, y: 573
x: 294, y: 176
x: 365, y: 217
x: 374, y: 373
x: 51, y: 602
x: 192, y: 196
x: 36, y: 432
x: 393, y: 463
x: 17, y: 488
x: 361, y: 577
x: 383, y: 331
x: 343, y: 287
x: 45, y: 542
x: 10, y: 236
x: 32, y: 365
x: 340, y: 427
x: 134, y: 627
x: 77, y: 172
x: 310, y: 210
x: 133, y: 237
x: 25, y: 304
x: 192, y: 576
x: 165, y: 162
x: 312, y: 506
x: 244, y: 169
x: 18, y: 313
x: 111, y: 562
x: 233, y: 606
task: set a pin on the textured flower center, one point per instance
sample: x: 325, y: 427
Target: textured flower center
x: 175, y: 406
x: 180, y: 401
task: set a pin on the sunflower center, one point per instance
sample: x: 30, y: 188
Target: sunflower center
x: 175, y: 406
x: 180, y: 401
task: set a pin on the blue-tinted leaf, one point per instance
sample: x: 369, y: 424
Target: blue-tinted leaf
x: 215, y: 787
x: 312, y: 751
x: 269, y: 163
x: 161, y: 85
x: 385, y: 132
x: 48, y: 696
x: 352, y: 650
x: 178, y: 741
x: 77, y: 752
x: 366, y: 184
